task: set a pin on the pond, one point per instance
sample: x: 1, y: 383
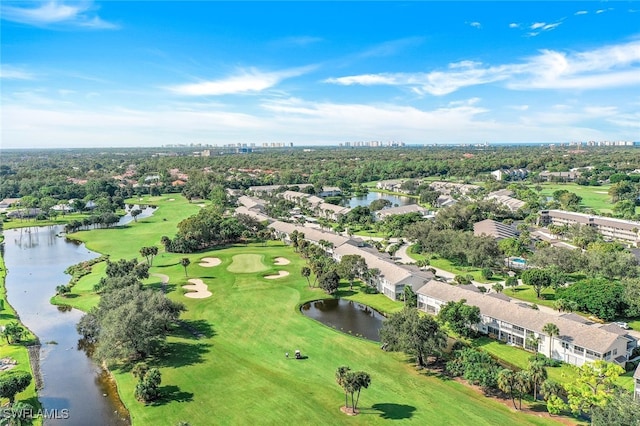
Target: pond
x: 365, y: 200
x: 346, y: 316
x: 36, y: 259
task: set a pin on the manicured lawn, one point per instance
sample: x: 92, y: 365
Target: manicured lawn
x: 238, y: 374
x: 528, y: 294
x: 595, y: 197
x: 246, y: 263
x: 520, y: 358
x: 449, y: 266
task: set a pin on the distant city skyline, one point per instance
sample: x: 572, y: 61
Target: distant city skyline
x: 126, y: 74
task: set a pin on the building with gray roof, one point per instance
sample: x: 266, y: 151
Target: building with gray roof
x: 577, y: 343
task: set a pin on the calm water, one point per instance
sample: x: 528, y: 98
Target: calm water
x: 347, y: 316
x: 365, y: 200
x: 36, y: 259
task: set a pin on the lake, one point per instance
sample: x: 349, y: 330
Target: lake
x: 36, y: 259
x: 365, y: 200
x: 346, y: 316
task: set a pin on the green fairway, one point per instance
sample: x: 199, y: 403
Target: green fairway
x: 247, y: 263
x: 594, y: 197
x: 235, y: 372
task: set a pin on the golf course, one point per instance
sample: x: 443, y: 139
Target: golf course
x: 225, y: 363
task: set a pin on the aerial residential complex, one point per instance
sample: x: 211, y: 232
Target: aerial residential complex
x: 615, y: 229
x: 518, y: 324
x: 579, y: 340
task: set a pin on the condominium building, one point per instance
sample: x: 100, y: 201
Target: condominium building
x: 616, y: 229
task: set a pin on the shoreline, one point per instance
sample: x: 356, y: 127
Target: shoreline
x: 32, y: 350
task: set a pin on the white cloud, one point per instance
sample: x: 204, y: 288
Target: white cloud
x: 538, y: 27
x: 609, y: 66
x: 10, y: 72
x: 304, y: 122
x: 247, y: 81
x: 581, y: 12
x: 475, y: 24
x: 53, y: 12
x: 514, y: 25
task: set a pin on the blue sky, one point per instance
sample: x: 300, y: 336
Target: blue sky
x: 120, y: 73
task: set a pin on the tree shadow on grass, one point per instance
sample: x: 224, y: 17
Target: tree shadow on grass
x: 344, y: 293
x: 171, y: 393
x: 392, y: 411
x: 180, y: 354
x: 198, y: 328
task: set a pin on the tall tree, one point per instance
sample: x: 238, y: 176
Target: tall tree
x: 594, y: 387
x: 537, y: 374
x: 506, y: 383
x: 416, y: 335
x: 550, y: 329
x: 306, y: 272
x: 352, y: 266
x: 342, y: 375
x: 185, y: 262
x: 460, y: 316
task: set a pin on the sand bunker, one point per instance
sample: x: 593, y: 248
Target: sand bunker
x: 209, y: 262
x: 275, y: 277
x: 197, y: 290
x: 171, y: 199
x: 280, y: 261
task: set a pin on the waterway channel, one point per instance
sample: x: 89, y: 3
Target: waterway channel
x: 36, y: 258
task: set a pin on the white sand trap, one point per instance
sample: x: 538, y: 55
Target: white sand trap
x: 209, y: 262
x: 275, y: 277
x: 281, y: 261
x: 171, y: 199
x: 201, y: 205
x: 600, y: 192
x: 197, y: 290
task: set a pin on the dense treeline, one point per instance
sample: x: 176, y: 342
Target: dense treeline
x: 130, y: 322
x: 209, y: 228
x: 48, y: 173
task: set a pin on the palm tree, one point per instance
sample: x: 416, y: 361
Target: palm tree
x: 306, y: 272
x: 506, y: 383
x: 533, y: 342
x: 550, y: 388
x: 538, y: 375
x: 522, y: 382
x: 362, y: 380
x: 185, y: 262
x: 342, y: 374
x: 550, y: 329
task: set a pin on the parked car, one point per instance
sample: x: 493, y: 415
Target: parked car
x: 622, y: 324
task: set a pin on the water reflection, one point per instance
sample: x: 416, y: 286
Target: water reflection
x: 36, y: 259
x: 347, y: 316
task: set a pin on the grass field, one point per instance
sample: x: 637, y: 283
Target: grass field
x: 595, y: 197
x: 449, y: 266
x: 246, y: 263
x: 238, y: 374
